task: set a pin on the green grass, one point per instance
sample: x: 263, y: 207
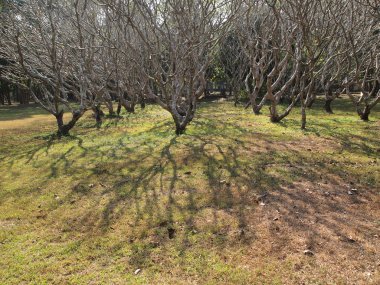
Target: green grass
x: 94, y: 207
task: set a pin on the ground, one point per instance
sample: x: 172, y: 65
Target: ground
x: 236, y: 200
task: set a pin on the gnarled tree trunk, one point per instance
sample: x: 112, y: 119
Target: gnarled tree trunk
x: 64, y: 129
x: 98, y: 114
x: 182, y: 117
x: 364, y: 114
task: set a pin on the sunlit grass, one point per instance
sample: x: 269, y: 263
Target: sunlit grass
x: 95, y: 207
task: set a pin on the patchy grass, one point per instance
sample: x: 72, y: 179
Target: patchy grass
x: 236, y: 200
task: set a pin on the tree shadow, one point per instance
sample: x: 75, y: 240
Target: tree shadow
x: 19, y: 112
x: 217, y: 184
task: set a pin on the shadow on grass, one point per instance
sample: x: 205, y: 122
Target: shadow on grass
x: 19, y: 112
x: 349, y: 141
x: 162, y: 189
x: 213, y: 184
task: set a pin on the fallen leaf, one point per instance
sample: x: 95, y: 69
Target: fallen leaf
x: 308, y: 252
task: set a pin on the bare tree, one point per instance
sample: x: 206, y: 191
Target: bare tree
x: 361, y: 32
x: 257, y: 33
x: 34, y: 47
x: 233, y: 62
x: 127, y: 56
x: 174, y: 48
x: 332, y: 73
x: 292, y: 46
x: 89, y: 66
x: 55, y: 51
x: 316, y: 21
x: 271, y: 42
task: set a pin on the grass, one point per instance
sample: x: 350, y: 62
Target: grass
x: 236, y: 200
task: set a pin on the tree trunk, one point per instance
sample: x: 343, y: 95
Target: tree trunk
x: 311, y: 102
x: 61, y: 130
x: 207, y: 92
x: 118, y: 108
x: 181, y: 121
x: 273, y: 111
x: 8, y: 96
x: 181, y: 125
x: 180, y: 129
x: 109, y: 105
x: 64, y: 129
x: 329, y: 99
x: 23, y: 96
x: 375, y: 89
x: 303, y: 111
x: 364, y: 114
x: 273, y: 103
x: 98, y: 113
x: 130, y: 108
x: 256, y: 110
x: 223, y: 92
x: 5, y: 93
x: 253, y: 101
x: 142, y: 103
x: 328, y: 105
x: 235, y: 94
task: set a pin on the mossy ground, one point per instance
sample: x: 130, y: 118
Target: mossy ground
x: 235, y: 200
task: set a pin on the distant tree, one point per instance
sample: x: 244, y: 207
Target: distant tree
x: 233, y: 62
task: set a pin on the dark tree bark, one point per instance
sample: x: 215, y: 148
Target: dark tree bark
x: 236, y: 99
x: 328, y: 107
x: 2, y: 98
x: 303, y: 116
x: 182, y: 118
x: 256, y: 110
x: 142, y: 102
x: 64, y: 129
x: 223, y: 92
x: 329, y: 99
x: 364, y: 114
x: 375, y: 88
x: 23, y: 96
x: 118, y: 108
x: 8, y: 96
x: 252, y: 98
x: 109, y: 106
x: 98, y: 114
x: 130, y: 108
x: 5, y: 93
x: 311, y: 102
x: 180, y: 129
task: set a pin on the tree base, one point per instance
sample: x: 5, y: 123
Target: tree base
x: 328, y: 108
x: 364, y: 117
x: 180, y: 131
